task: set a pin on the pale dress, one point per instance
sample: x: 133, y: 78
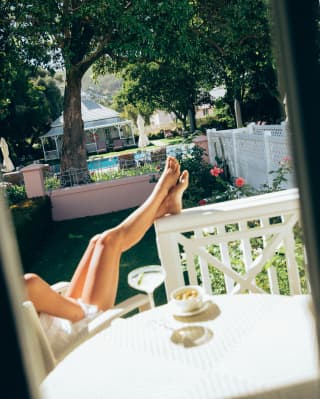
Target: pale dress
x: 62, y: 333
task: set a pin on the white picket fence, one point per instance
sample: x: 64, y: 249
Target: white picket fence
x: 223, y: 236
x: 252, y: 152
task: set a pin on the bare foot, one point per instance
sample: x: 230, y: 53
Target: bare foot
x: 169, y: 176
x: 172, y: 204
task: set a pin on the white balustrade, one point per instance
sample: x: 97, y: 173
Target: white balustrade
x: 252, y: 232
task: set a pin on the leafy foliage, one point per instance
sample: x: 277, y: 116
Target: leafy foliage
x: 34, y: 102
x: 171, y: 86
x: 234, y: 44
x: 213, y: 183
x: 109, y: 33
x: 15, y: 194
x: 32, y: 221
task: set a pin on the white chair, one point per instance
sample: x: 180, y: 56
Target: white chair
x: 100, y: 322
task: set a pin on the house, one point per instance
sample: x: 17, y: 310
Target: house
x: 104, y: 129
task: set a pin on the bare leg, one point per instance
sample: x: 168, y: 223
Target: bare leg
x: 132, y: 228
x: 102, y: 279
x: 96, y: 278
x: 172, y: 204
x: 80, y: 274
x: 45, y: 299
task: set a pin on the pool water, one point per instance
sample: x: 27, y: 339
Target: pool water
x: 103, y: 163
x: 113, y: 162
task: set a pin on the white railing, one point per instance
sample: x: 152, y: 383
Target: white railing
x: 253, y: 243
x: 252, y: 152
x: 50, y: 155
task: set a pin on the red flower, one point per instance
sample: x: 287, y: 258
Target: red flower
x: 215, y: 171
x: 239, y: 182
x: 158, y: 167
x: 285, y: 162
x: 202, y: 202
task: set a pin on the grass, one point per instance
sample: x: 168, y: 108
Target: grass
x: 57, y: 259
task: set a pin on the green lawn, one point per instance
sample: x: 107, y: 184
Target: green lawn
x: 57, y: 259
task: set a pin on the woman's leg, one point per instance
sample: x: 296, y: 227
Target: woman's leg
x: 101, y: 283
x: 144, y: 215
x: 79, y: 276
x: 45, y: 299
x: 96, y: 277
x: 172, y: 204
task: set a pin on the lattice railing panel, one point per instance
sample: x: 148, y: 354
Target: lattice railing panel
x: 247, y: 245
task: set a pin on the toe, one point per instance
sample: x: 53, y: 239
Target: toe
x: 184, y: 178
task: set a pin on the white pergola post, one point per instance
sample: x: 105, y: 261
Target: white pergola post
x: 57, y: 147
x: 132, y: 134
x: 42, y: 145
x: 119, y: 131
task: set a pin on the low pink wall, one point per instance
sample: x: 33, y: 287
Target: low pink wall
x: 99, y: 198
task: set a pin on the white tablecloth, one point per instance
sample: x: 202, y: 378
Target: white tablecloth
x: 248, y: 345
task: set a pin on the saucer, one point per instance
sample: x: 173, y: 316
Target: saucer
x: 180, y: 313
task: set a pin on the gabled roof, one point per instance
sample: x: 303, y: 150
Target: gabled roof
x: 94, y: 116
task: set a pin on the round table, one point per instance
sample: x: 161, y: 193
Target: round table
x: 239, y: 345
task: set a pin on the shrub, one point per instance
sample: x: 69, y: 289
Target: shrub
x: 227, y: 187
x: 156, y: 136
x: 200, y: 182
x: 15, y: 194
x: 32, y: 221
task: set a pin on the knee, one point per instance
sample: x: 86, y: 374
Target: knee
x: 31, y: 278
x: 32, y: 282
x: 112, y: 238
x: 95, y: 239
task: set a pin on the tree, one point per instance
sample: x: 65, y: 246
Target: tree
x: 34, y: 102
x: 168, y: 86
x: 234, y: 44
x: 84, y: 32
x: 29, y: 98
x: 228, y: 44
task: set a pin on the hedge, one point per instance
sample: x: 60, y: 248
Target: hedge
x: 32, y: 221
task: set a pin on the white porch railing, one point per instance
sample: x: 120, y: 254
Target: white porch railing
x: 252, y: 244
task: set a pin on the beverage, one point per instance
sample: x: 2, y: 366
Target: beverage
x: 147, y: 279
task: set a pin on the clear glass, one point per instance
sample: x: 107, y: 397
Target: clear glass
x: 147, y: 279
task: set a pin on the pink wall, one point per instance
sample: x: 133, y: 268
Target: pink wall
x: 99, y: 198
x: 34, y: 180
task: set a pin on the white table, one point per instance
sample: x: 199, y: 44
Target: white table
x: 251, y: 345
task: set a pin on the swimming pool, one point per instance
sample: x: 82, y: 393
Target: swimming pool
x: 113, y: 162
x: 103, y: 163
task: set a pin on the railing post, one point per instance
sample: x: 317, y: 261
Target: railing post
x: 34, y: 180
x: 235, y: 157
x: 169, y: 255
x: 267, y: 135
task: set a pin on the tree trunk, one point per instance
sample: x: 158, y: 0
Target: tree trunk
x: 237, y: 112
x: 74, y: 154
x: 192, y: 119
